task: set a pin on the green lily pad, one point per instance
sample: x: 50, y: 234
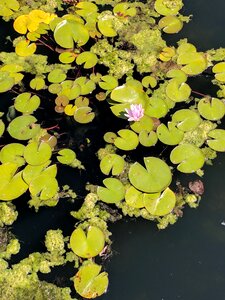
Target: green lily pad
x: 87, y: 85
x: 217, y: 142
x: 68, y: 32
x: 128, y: 94
x: 113, y: 192
x: 211, y: 109
x: 186, y: 119
x: 177, y: 74
x: 155, y: 178
x: 37, y: 154
x: 66, y: 156
x: 44, y: 187
x: 13, y: 153
x: 37, y: 83
x: 84, y: 115
x: 219, y: 69
x: 148, y: 139
x: 55, y: 88
x: 127, y: 140
x: 26, y: 103
x: 6, y: 82
x: 160, y: 204
x: 134, y: 198
x: 188, y: 157
x: 87, y: 58
x: 109, y: 137
x: 12, y: 185
x: 170, y: 135
x: 106, y: 26
x: 149, y: 81
x: 156, y: 108
x: 146, y: 123
x: 177, y: 91
x: 2, y: 127
x: 31, y: 172
x: 89, y: 282
x: 163, y: 8
x: 124, y: 9
x: 170, y: 24
x: 112, y: 162
x: 56, y: 76
x: 108, y: 82
x: 23, y: 127
x: 67, y: 57
x: 71, y: 92
x: 194, y: 62
x: 88, y: 244
x: 86, y: 8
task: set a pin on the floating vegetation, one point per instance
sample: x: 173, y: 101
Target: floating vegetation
x: 79, y: 63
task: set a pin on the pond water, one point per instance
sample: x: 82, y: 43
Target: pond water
x: 186, y: 261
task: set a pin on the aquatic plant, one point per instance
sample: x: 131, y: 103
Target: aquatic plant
x: 74, y: 62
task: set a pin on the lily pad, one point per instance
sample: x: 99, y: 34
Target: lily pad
x: 108, y: 82
x: 112, y: 162
x: 146, y: 123
x: 113, y: 192
x: 56, y: 76
x: 87, y: 58
x: 13, y: 153
x: 23, y: 127
x: 12, y: 185
x: 211, y: 109
x: 7, y: 8
x: 134, y: 198
x: 188, y: 157
x: 177, y: 91
x: 2, y: 127
x: 37, y: 154
x: 89, y: 282
x: 156, y: 108
x: 26, y: 103
x: 148, y: 139
x: 219, y: 69
x: 31, y: 172
x: 155, y: 178
x: 87, y: 85
x: 166, y: 9
x: 160, y: 204
x: 85, y: 8
x: 67, y: 57
x: 88, y: 244
x: 37, y: 83
x: 84, y: 115
x: 6, y: 82
x: 44, y: 187
x: 217, y: 141
x: 186, y: 119
x: 24, y: 48
x: 170, y: 24
x: 68, y: 32
x: 106, y: 25
x: 66, y: 156
x: 127, y: 140
x: 170, y: 135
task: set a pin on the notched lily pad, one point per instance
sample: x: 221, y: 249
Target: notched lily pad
x: 147, y: 139
x: 113, y: 192
x: 87, y: 244
x: 177, y: 91
x: 112, y: 162
x: 211, y: 109
x: 170, y: 135
x: 13, y: 153
x: 186, y: 119
x: 84, y: 115
x: 155, y: 178
x: 134, y: 198
x: 89, y: 282
x: 66, y: 156
x: 12, y: 184
x: 37, y: 154
x: 217, y: 141
x: 23, y: 127
x: 127, y: 140
x: 160, y: 204
x: 87, y: 58
x: 188, y: 157
x: 26, y: 103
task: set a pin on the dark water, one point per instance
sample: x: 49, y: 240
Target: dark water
x: 185, y: 261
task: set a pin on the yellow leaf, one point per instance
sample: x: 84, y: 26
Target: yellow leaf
x: 70, y: 109
x: 24, y: 48
x: 21, y: 23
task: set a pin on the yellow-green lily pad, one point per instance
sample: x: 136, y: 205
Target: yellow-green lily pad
x: 211, y: 109
x: 113, y: 192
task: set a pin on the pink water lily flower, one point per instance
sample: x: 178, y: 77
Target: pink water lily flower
x: 135, y: 112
